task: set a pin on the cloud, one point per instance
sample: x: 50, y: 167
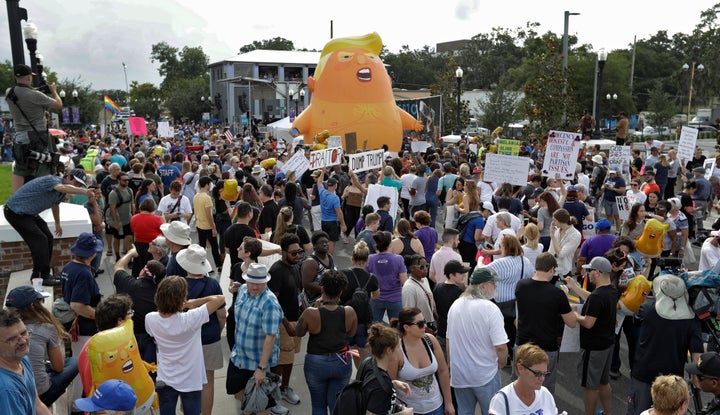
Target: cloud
x: 465, y: 8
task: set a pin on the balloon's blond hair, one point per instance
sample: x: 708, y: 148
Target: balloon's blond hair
x: 370, y: 42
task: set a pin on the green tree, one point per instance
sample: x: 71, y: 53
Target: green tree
x: 661, y: 106
x: 176, y: 64
x: 413, y: 69
x: 500, y: 107
x: 88, y: 101
x: 146, y: 99
x: 276, y: 43
x: 183, y: 101
x: 445, y: 85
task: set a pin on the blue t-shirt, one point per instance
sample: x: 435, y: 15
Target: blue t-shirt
x: 477, y: 223
x: 328, y: 203
x: 168, y: 173
x: 19, y: 391
x: 199, y: 288
x: 36, y: 196
x: 613, y: 183
x: 173, y: 268
x: 79, y: 286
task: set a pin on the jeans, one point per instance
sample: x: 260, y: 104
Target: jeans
x: 59, y: 382
x: 7, y: 154
x: 545, y: 241
x: 325, y: 375
x: 379, y: 308
x: 640, y: 398
x: 205, y: 235
x: 467, y: 398
x: 432, y: 206
x: 35, y: 232
x: 168, y: 396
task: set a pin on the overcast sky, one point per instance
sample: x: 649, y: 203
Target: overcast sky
x: 90, y: 39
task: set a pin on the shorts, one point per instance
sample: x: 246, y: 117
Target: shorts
x: 360, y: 337
x: 127, y: 231
x: 289, y: 346
x: 213, y: 356
x: 238, y: 378
x: 594, y: 367
x: 610, y: 208
x: 332, y: 229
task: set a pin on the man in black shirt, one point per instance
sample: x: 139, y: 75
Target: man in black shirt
x: 285, y: 283
x: 236, y: 233
x: 445, y: 294
x: 269, y: 212
x: 597, y: 334
x: 543, y: 311
x: 705, y: 372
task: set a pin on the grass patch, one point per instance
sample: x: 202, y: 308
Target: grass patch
x: 5, y: 187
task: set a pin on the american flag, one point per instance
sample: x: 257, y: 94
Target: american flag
x: 229, y: 135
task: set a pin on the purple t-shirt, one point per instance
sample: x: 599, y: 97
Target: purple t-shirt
x: 596, y: 246
x: 428, y: 237
x: 387, y: 267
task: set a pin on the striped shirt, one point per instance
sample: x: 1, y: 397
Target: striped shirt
x: 510, y: 268
x: 256, y: 317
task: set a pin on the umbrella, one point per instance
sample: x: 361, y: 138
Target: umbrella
x: 56, y: 132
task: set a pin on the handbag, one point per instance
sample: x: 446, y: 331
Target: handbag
x: 62, y: 310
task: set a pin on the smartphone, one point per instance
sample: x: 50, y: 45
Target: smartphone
x: 487, y: 245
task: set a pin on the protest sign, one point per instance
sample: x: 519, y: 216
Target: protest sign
x: 164, y: 129
x: 137, y: 126
x: 623, y: 205
x: 687, y: 143
x: 620, y: 157
x: 500, y: 168
x: 334, y: 141
x: 375, y: 191
x: 709, y: 166
x: 561, y: 154
x: 325, y: 158
x: 472, y: 148
x: 419, y: 146
x: 365, y: 161
x: 297, y: 162
x: 508, y: 146
x: 589, y: 227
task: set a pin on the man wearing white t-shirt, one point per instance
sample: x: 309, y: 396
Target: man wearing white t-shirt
x: 710, y: 252
x: 407, y: 180
x: 175, y: 206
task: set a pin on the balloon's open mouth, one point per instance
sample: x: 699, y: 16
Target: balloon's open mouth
x: 364, y: 74
x: 128, y: 366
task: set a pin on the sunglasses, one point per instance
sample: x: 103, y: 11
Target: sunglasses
x: 421, y: 266
x: 420, y: 324
x: 538, y: 374
x: 296, y: 252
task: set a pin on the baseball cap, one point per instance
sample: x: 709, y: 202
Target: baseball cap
x: 112, y: 395
x: 455, y: 267
x: 23, y: 70
x: 613, y: 170
x: 79, y: 175
x: 488, y: 206
x: 23, y: 296
x: 599, y: 263
x: 602, y: 225
x: 707, y: 365
x: 483, y: 274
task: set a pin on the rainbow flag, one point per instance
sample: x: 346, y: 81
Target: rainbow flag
x: 111, y: 105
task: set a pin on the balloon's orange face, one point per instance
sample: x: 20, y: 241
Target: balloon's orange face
x: 358, y: 75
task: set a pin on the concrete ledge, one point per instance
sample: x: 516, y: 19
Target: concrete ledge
x: 74, y: 219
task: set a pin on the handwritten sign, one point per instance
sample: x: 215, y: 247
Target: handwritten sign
x: 589, y: 227
x: 419, y: 146
x: 137, y: 126
x: 365, y: 161
x: 325, y: 158
x: 334, y: 141
x: 687, y: 143
x: 500, y: 168
x: 508, y: 147
x: 375, y: 191
x: 165, y: 130
x: 709, y: 166
x: 561, y: 154
x: 623, y: 205
x: 620, y: 157
x: 297, y: 162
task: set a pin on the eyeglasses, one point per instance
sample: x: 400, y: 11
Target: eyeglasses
x: 538, y: 374
x: 420, y: 324
x: 634, y: 185
x: 296, y: 252
x: 15, y: 339
x: 421, y: 266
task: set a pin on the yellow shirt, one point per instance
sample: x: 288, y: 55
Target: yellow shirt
x: 201, y: 201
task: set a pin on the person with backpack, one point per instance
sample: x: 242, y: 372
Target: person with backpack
x: 327, y: 362
x: 119, y: 211
x: 362, y: 286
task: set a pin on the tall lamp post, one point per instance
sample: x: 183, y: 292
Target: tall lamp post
x: 127, y: 89
x: 611, y: 98
x: 15, y: 15
x: 291, y: 98
x: 302, y: 98
x: 30, y: 32
x: 75, y: 108
x: 458, y: 76
x: 601, y: 58
x: 692, y: 68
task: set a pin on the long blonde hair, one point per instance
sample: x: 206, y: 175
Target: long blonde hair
x: 471, y: 200
x: 281, y: 224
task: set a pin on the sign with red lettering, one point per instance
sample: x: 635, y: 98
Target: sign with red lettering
x: 561, y: 154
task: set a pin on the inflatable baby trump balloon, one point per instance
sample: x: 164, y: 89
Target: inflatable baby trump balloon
x: 114, y: 354
x: 650, y: 242
x: 634, y: 295
x: 352, y: 93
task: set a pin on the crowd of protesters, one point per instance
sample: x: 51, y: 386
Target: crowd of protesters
x: 456, y: 267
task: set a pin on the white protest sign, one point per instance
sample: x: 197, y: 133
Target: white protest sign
x: 325, y: 158
x: 623, y: 205
x: 297, y: 162
x: 472, y: 148
x: 367, y: 160
x: 500, y: 168
x: 709, y: 166
x: 419, y: 146
x: 620, y: 157
x: 588, y: 230
x: 687, y: 143
x: 164, y: 129
x: 570, y: 342
x: 334, y: 141
x: 375, y: 191
x: 561, y: 154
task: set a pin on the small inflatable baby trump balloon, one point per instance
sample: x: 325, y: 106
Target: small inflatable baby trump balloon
x: 650, y: 242
x: 352, y: 93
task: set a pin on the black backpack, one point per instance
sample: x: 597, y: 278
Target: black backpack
x: 349, y: 400
x: 463, y: 221
x: 360, y: 300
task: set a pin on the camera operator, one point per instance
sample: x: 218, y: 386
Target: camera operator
x: 34, y: 151
x: 706, y: 377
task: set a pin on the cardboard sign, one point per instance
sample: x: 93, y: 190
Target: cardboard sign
x: 500, y: 168
x: 334, y: 141
x: 589, y: 227
x: 137, y: 126
x: 709, y: 166
x: 687, y: 143
x: 561, y: 154
x: 472, y: 148
x: 623, y: 205
x: 419, y: 146
x: 620, y: 157
x: 375, y: 191
x: 325, y: 158
x: 165, y: 130
x: 508, y: 146
x: 297, y: 162
x: 365, y: 161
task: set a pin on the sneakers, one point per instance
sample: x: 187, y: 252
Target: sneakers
x: 51, y: 281
x: 279, y: 410
x: 290, y: 396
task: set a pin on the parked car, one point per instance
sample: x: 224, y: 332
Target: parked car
x: 706, y: 129
x: 654, y: 132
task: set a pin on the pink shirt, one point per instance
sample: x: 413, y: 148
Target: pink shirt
x: 438, y: 261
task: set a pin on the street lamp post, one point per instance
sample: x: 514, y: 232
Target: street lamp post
x: 458, y: 76
x: 302, y: 98
x: 15, y: 15
x: 611, y: 98
x: 601, y: 58
x: 692, y: 68
x: 30, y: 32
x: 127, y: 89
x: 565, y: 37
x: 291, y: 98
x: 75, y: 108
